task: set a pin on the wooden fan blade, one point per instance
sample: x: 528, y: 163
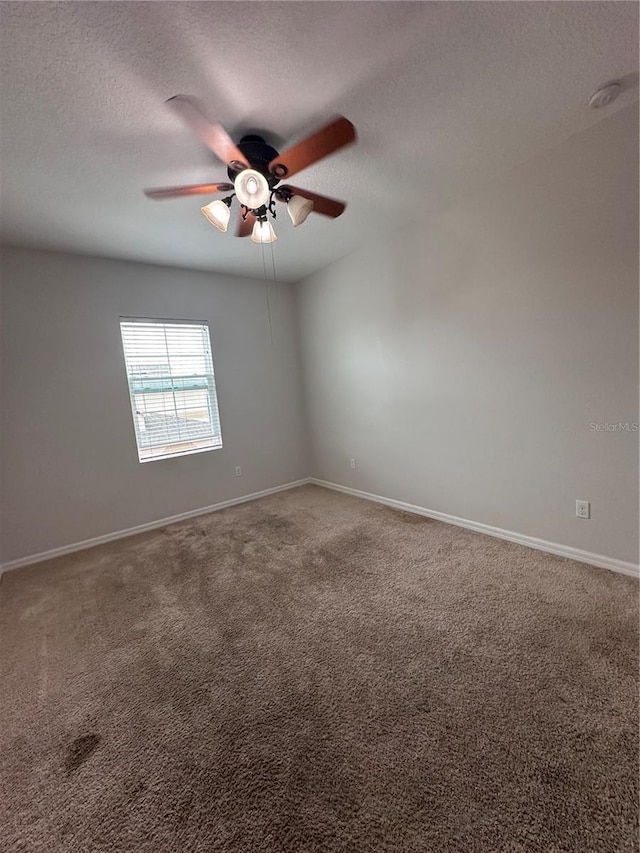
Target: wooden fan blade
x: 194, y: 189
x: 214, y: 136
x: 321, y: 203
x: 245, y: 226
x: 332, y: 137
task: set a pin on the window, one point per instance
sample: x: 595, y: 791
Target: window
x: 172, y: 387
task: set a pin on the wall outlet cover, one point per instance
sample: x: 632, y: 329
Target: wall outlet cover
x: 583, y: 509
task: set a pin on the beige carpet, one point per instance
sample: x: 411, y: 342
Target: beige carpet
x: 311, y: 673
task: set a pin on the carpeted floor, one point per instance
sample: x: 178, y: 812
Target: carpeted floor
x: 311, y: 673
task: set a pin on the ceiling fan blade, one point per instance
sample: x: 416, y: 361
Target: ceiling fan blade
x: 194, y: 189
x: 214, y: 136
x: 245, y: 226
x: 321, y: 203
x: 332, y: 137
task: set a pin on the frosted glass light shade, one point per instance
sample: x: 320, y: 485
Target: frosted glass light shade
x: 263, y: 232
x: 251, y: 189
x: 217, y: 213
x: 299, y: 208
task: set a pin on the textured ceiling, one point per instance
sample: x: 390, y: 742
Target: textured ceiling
x: 444, y: 96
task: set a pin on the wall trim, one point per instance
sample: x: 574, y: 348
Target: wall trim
x: 600, y: 560
x: 142, y: 528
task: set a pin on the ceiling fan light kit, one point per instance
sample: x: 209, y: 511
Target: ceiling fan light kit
x: 298, y: 209
x: 255, y: 169
x: 263, y: 232
x: 218, y: 213
x: 252, y: 189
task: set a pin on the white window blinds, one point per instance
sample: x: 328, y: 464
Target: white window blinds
x: 172, y: 387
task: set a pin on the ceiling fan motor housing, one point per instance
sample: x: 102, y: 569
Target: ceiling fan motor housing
x: 259, y: 154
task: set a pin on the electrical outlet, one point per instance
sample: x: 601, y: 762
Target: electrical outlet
x: 583, y: 509
x: 238, y: 471
x: 352, y: 462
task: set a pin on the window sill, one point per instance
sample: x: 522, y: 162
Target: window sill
x: 187, y: 450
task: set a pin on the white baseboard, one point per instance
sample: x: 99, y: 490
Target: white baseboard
x: 142, y: 528
x: 592, y: 559
x: 599, y: 560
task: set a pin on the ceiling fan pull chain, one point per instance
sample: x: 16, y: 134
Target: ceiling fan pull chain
x: 266, y: 290
x: 273, y: 264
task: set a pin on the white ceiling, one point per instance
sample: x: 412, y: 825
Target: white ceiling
x: 443, y: 95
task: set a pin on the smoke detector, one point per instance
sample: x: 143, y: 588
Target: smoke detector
x: 605, y: 96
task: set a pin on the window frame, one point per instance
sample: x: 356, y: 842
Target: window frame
x: 213, y: 403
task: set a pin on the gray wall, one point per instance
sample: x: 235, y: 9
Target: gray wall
x: 462, y: 361
x: 70, y: 469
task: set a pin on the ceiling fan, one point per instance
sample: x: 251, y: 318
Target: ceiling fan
x: 255, y: 170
